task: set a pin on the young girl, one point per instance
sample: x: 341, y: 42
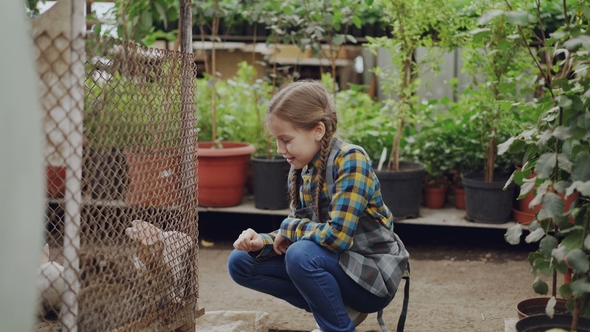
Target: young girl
x: 336, y: 255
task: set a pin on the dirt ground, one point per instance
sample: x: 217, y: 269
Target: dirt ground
x: 463, y: 279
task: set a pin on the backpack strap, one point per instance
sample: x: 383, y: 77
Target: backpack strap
x: 336, y: 146
x: 402, y: 317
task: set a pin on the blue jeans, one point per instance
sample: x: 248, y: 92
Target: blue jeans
x: 307, y: 276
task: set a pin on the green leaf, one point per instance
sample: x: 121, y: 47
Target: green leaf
x: 547, y: 244
x: 578, y: 260
x: 545, y: 165
x: 526, y: 187
x: 582, y: 187
x: 328, y: 18
x: 488, y: 16
x: 576, y: 42
x: 573, y: 240
x: 550, y: 308
x: 338, y: 39
x: 561, y: 267
x: 480, y: 34
x: 580, y: 287
x: 552, y: 205
x: 535, y: 235
x: 162, y: 12
x: 562, y: 133
x: 357, y: 22
x: 544, y: 137
x: 559, y: 253
x: 540, y: 287
x: 564, y: 163
x: 503, y: 147
x: 518, y: 18
x: 513, y: 234
x: 581, y: 167
x: 147, y: 19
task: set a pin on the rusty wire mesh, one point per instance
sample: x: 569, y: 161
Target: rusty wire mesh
x: 135, y: 208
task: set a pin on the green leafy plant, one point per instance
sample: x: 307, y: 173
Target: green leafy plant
x: 242, y: 101
x: 557, y: 149
x: 431, y: 25
x: 136, y: 20
x: 502, y: 75
x: 327, y: 23
x: 435, y: 142
x: 128, y: 108
x: 361, y: 119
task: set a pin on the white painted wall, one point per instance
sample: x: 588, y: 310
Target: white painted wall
x: 21, y: 173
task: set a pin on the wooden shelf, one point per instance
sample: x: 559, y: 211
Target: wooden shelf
x: 448, y: 216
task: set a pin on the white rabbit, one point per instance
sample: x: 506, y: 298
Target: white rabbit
x: 50, y: 283
x: 158, y: 246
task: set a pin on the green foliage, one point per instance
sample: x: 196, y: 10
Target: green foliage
x: 557, y: 149
x: 362, y: 120
x: 135, y: 20
x: 502, y: 76
x: 432, y: 25
x: 122, y: 112
x: 241, y: 104
x: 441, y: 143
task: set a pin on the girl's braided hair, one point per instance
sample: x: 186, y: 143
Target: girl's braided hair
x: 305, y: 104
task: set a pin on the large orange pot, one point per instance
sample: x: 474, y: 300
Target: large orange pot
x: 222, y: 175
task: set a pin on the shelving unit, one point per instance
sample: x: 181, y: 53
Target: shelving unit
x: 448, y: 216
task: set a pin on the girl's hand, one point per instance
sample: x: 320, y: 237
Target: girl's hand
x: 281, y: 244
x: 248, y: 241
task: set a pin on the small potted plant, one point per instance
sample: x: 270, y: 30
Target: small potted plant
x: 130, y: 124
x: 435, y: 141
x: 222, y: 170
x: 432, y: 26
x: 502, y: 74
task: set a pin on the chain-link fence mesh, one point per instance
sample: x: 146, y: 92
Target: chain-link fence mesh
x: 121, y: 211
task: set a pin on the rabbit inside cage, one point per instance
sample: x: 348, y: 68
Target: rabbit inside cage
x: 144, y: 274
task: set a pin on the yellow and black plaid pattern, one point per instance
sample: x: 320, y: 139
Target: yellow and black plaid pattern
x: 356, y: 190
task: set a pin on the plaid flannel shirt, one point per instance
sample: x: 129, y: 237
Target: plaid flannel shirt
x: 356, y: 190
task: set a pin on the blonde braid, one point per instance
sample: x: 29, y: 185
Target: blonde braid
x: 294, y: 176
x: 320, y: 175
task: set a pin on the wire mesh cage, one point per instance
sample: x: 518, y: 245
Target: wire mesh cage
x: 121, y: 215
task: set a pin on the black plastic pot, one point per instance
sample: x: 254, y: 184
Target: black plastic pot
x: 542, y: 323
x: 402, y: 189
x: 488, y: 202
x: 270, y: 182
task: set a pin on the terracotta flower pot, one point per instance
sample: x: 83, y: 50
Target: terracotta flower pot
x: 435, y: 197
x: 153, y: 177
x: 460, y: 198
x: 56, y: 181
x: 221, y: 178
x: 522, y: 217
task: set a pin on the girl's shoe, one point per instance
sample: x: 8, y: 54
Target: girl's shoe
x: 356, y: 317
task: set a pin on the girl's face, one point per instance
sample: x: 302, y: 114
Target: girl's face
x: 296, y: 145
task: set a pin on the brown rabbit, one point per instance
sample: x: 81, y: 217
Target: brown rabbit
x: 162, y: 253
